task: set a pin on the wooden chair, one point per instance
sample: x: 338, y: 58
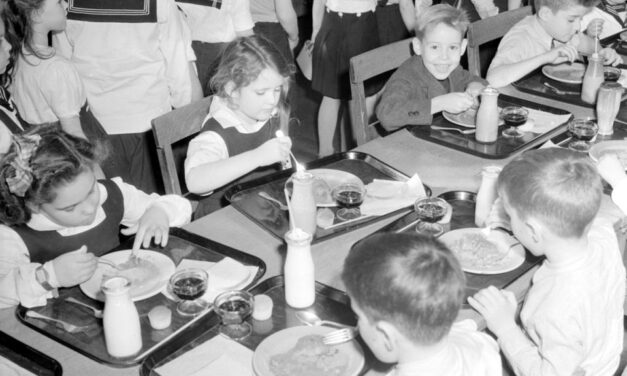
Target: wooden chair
x: 172, y: 132
x: 367, y: 65
x: 488, y: 30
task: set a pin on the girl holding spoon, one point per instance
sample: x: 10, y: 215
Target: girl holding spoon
x: 238, y: 135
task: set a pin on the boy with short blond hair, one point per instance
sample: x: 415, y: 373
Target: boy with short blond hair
x: 432, y: 81
x: 407, y: 291
x: 551, y: 36
x: 572, y: 317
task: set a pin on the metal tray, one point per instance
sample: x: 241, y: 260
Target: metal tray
x: 244, y: 197
x: 331, y: 304
x: 503, y: 147
x: 463, y: 204
x: 27, y: 357
x: 91, y: 343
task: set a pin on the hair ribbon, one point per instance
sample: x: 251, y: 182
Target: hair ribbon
x: 25, y: 147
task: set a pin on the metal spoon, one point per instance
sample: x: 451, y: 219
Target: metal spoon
x: 462, y: 131
x: 97, y: 312
x: 267, y: 196
x: 560, y: 91
x: 311, y: 319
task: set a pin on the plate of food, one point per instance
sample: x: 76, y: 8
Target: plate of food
x: 299, y: 351
x: 618, y: 147
x: 325, y: 179
x: 466, y: 118
x: 496, y: 253
x: 570, y: 73
x: 148, y: 276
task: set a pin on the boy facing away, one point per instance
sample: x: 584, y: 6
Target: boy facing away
x: 572, y: 317
x: 551, y: 36
x: 432, y: 81
x: 407, y: 291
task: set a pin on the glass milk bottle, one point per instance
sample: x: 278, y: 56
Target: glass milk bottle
x: 487, y: 122
x: 303, y: 203
x: 300, y: 285
x: 592, y: 79
x: 608, y: 104
x: 486, y: 194
x: 120, y: 319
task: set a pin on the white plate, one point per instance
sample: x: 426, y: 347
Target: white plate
x: 333, y: 178
x: 154, y: 281
x: 618, y: 147
x: 473, y: 264
x: 465, y: 119
x: 284, y: 340
x: 570, y: 73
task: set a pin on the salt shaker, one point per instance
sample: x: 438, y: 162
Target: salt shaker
x: 300, y: 285
x: 487, y: 122
x: 303, y: 202
x: 486, y: 194
x: 608, y: 104
x: 592, y: 79
x: 120, y: 319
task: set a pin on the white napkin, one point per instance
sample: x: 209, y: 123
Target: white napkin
x: 542, y: 122
x: 218, y: 356
x: 386, y: 196
x: 227, y: 274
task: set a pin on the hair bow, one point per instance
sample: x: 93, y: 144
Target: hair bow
x: 25, y: 147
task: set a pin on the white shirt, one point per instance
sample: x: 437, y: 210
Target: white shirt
x: 573, y: 313
x: 619, y: 195
x: 17, y: 274
x: 213, y: 25
x: 132, y: 72
x: 46, y: 90
x: 352, y: 6
x: 466, y: 352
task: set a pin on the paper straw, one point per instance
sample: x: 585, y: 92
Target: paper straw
x: 289, y: 210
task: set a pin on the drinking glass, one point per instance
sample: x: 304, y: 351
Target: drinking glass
x: 189, y: 285
x: 582, y: 131
x: 349, y: 196
x: 514, y: 117
x: 611, y: 74
x: 430, y: 211
x: 234, y: 307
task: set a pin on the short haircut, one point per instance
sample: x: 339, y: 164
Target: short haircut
x: 410, y: 280
x: 557, y: 5
x: 430, y: 17
x: 559, y: 187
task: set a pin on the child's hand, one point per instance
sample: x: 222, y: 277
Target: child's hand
x: 498, y: 308
x: 610, y: 57
x: 74, y: 267
x: 611, y: 169
x: 474, y: 89
x: 562, y: 54
x: 153, y: 224
x: 457, y: 102
x: 595, y: 28
x: 274, y: 150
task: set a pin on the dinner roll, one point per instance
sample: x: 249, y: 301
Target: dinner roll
x: 160, y: 317
x: 262, y: 307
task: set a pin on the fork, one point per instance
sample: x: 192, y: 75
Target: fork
x: 108, y: 263
x: 97, y: 312
x: 462, y: 131
x: 70, y: 328
x: 339, y: 336
x: 559, y: 91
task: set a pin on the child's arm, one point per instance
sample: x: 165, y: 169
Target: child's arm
x: 612, y: 170
x: 504, y: 74
x: 287, y: 18
x: 206, y: 177
x: 317, y: 12
x: 242, y: 19
x: 586, y: 45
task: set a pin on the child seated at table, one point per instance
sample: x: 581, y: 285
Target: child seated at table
x: 550, y: 36
x: 432, y: 81
x: 572, y: 316
x: 612, y: 13
x: 57, y: 218
x: 239, y: 134
x: 407, y: 291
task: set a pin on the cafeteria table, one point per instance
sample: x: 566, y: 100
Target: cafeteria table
x: 441, y: 168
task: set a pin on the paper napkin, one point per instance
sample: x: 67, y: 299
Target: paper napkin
x: 218, y: 356
x: 542, y: 122
x: 386, y: 196
x: 227, y: 274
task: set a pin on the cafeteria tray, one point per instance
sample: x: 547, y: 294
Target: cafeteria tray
x: 244, y: 197
x: 463, y: 204
x: 27, y: 357
x: 503, y: 147
x: 90, y: 342
x: 331, y: 304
